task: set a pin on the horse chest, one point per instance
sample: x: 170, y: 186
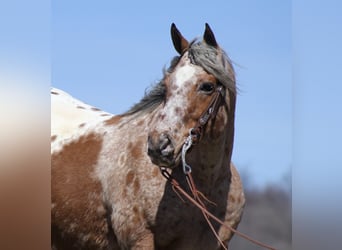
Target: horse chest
x: 180, y: 225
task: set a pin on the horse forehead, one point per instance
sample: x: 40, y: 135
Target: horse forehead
x: 186, y: 71
x: 184, y: 74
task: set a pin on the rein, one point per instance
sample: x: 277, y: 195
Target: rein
x: 195, y: 135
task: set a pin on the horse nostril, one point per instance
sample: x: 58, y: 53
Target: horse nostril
x: 166, y: 146
x: 168, y: 150
x: 164, y: 141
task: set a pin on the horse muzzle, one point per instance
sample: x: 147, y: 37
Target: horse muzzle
x: 161, y: 150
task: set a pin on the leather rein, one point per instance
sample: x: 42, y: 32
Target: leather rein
x: 195, y: 134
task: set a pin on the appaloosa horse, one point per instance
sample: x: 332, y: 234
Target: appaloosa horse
x: 107, y: 188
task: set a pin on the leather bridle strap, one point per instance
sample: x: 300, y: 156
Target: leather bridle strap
x: 211, y: 111
x: 195, y: 133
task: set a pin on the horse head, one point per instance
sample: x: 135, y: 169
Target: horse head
x: 199, y: 99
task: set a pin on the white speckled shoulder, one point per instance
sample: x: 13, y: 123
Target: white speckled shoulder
x: 71, y: 117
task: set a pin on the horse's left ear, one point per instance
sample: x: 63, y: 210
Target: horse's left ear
x: 179, y: 42
x: 209, y: 37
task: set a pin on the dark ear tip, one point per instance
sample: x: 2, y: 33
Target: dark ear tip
x: 207, y: 27
x: 179, y: 42
x: 174, y: 30
x: 209, y: 36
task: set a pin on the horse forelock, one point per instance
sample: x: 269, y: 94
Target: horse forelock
x: 214, y: 61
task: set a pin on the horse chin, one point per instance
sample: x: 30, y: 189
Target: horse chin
x: 162, y: 161
x: 166, y: 162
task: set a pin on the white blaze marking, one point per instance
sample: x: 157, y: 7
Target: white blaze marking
x: 178, y: 100
x: 184, y: 74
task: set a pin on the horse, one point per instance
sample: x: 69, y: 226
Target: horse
x: 108, y: 190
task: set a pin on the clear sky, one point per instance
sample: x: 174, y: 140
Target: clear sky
x: 107, y: 53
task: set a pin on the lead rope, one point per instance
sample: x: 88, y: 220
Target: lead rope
x: 177, y: 186
x: 187, y: 171
x: 196, y: 200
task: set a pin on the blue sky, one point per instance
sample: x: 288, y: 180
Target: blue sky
x: 107, y: 53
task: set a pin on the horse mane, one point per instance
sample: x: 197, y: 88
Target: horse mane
x: 211, y: 59
x: 155, y: 95
x: 151, y: 99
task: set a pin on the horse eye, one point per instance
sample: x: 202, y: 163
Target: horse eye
x: 207, y: 87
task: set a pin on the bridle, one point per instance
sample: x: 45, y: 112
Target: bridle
x: 195, y: 135
x: 211, y: 111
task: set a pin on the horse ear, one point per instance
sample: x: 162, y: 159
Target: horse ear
x: 179, y: 42
x: 209, y: 37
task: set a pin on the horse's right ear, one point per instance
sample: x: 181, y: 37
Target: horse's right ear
x: 179, y: 42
